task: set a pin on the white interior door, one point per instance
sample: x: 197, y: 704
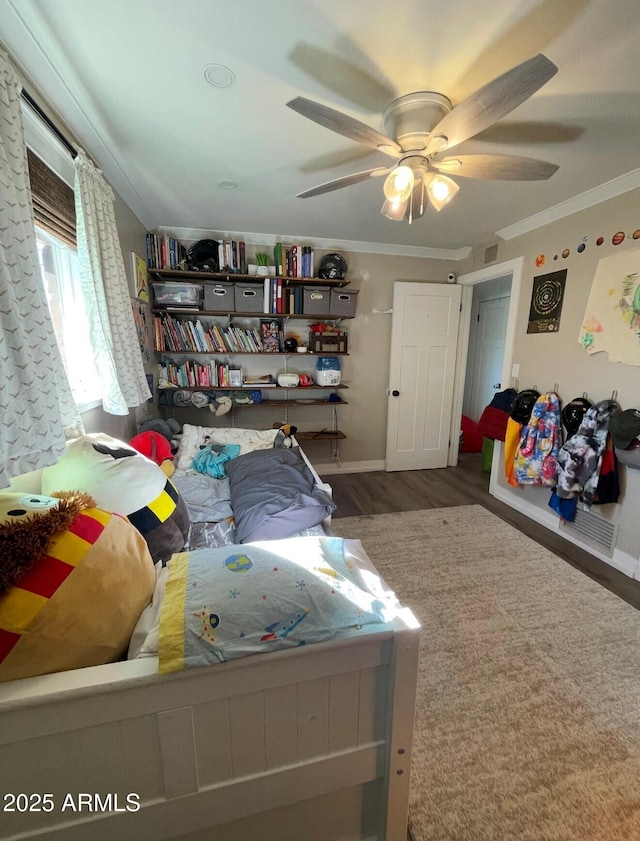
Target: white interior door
x: 489, y: 353
x: 424, y: 333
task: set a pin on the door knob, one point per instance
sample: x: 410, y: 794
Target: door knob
x: 395, y: 393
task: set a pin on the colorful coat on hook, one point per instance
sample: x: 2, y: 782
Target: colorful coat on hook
x: 535, y: 462
x: 580, y: 458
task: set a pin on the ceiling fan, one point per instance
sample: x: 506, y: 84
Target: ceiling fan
x: 421, y: 126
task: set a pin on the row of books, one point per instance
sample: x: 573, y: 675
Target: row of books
x: 282, y: 300
x: 294, y: 260
x: 167, y: 252
x: 192, y: 374
x: 164, y: 252
x: 177, y: 334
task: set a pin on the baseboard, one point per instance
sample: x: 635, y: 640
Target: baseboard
x: 334, y: 467
x: 621, y: 561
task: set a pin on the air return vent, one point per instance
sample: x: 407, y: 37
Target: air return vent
x: 490, y: 254
x: 594, y: 528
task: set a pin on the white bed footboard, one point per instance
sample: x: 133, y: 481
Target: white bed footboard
x: 310, y: 743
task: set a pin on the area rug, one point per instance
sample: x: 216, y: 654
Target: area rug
x: 528, y: 711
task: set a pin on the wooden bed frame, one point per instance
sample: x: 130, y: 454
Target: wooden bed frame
x: 308, y: 743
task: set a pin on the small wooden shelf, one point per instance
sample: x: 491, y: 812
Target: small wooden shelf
x: 321, y: 435
x: 269, y: 316
x: 252, y: 387
x: 249, y: 353
x: 177, y: 274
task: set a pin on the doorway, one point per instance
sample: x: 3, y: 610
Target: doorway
x: 510, y: 269
x: 406, y: 451
x: 488, y: 329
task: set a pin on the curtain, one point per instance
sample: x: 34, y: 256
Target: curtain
x: 36, y: 405
x: 104, y: 285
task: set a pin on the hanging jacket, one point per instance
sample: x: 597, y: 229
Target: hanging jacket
x: 535, y: 461
x: 493, y: 421
x: 580, y: 457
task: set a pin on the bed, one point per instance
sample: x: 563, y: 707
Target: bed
x: 305, y: 741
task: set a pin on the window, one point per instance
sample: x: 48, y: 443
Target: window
x: 60, y: 274
x: 55, y: 224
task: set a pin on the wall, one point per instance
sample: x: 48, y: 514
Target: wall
x: 365, y: 370
x: 559, y: 358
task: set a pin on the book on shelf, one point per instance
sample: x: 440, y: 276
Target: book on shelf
x: 263, y: 380
x: 271, y: 334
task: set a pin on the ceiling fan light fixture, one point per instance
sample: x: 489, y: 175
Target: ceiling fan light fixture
x: 394, y: 209
x: 440, y: 190
x: 399, y: 184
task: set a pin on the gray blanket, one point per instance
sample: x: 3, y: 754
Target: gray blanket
x: 274, y: 495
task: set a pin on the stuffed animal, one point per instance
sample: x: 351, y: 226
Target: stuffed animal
x: 74, y: 580
x: 286, y: 431
x: 121, y: 479
x: 156, y: 447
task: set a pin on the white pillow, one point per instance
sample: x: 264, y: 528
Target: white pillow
x: 144, y: 640
x: 116, y: 475
x: 194, y: 437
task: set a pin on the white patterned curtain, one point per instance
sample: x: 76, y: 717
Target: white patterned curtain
x: 37, y: 410
x: 106, y: 291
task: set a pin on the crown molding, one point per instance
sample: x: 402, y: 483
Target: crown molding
x: 194, y: 234
x: 596, y: 195
x: 24, y: 30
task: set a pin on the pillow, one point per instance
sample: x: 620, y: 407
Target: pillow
x: 122, y: 480
x: 194, y: 437
x: 274, y: 495
x: 144, y: 640
x: 222, y: 604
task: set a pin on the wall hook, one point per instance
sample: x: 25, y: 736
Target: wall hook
x: 614, y: 395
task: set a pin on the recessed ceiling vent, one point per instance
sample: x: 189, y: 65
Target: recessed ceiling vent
x: 594, y: 528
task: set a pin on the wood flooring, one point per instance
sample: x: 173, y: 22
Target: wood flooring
x: 411, y: 490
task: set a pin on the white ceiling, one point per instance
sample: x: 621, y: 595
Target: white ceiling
x: 127, y: 76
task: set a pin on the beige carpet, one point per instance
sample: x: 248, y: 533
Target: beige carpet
x: 528, y: 709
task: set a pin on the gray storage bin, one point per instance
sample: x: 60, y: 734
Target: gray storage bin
x: 249, y: 297
x: 218, y: 296
x: 343, y: 303
x: 316, y: 300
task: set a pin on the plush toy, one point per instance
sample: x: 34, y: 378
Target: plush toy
x: 286, y: 431
x: 121, y: 479
x: 74, y: 580
x: 156, y: 447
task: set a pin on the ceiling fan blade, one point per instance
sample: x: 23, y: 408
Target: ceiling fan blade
x: 491, y: 102
x: 347, y: 181
x: 496, y: 167
x: 345, y: 125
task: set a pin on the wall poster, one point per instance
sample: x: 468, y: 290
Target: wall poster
x: 546, y: 302
x: 612, y: 316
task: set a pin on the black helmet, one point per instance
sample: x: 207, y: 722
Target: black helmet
x: 573, y: 414
x: 523, y: 405
x: 333, y: 267
x: 203, y: 256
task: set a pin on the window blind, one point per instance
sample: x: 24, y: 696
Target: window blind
x: 53, y: 201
